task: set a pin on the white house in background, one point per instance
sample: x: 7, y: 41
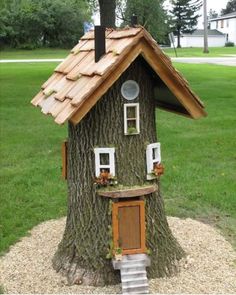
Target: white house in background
x: 196, y: 39
x: 226, y: 24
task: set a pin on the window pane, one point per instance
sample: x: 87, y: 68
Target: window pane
x: 131, y: 124
x: 131, y: 112
x: 104, y: 159
x: 153, y: 153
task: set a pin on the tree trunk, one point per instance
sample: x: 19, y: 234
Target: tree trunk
x: 178, y: 39
x: 107, y: 13
x: 81, y: 255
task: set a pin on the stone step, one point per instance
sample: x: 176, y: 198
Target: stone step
x: 133, y: 277
x: 133, y: 264
x: 133, y: 273
x: 137, y: 292
x: 134, y: 284
x: 135, y: 288
x: 128, y: 271
x: 135, y: 257
x: 134, y: 270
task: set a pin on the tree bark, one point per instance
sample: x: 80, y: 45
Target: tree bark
x: 178, y: 39
x: 107, y: 13
x: 81, y: 255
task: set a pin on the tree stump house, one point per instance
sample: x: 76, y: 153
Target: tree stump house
x: 107, y: 89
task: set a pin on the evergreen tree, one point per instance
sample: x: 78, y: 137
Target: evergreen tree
x: 184, y: 16
x: 230, y: 7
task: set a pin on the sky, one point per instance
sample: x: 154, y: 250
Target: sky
x: 216, y: 5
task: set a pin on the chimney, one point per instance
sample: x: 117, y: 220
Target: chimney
x: 134, y: 20
x: 100, y: 42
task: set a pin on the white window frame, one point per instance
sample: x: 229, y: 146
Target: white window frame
x: 156, y: 148
x: 126, y: 106
x: 99, y: 166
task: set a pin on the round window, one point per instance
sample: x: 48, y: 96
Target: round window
x: 130, y: 89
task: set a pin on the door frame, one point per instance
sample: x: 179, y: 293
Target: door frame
x: 115, y: 225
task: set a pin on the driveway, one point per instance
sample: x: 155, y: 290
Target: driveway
x: 224, y: 61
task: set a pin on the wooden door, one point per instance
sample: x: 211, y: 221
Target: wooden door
x: 129, y: 226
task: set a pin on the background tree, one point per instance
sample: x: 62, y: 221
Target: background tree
x: 184, y: 16
x: 107, y: 13
x: 212, y: 14
x: 31, y: 23
x: 230, y: 7
x: 151, y: 15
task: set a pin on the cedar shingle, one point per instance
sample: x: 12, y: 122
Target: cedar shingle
x: 61, y: 95
x: 118, y: 45
x: 101, y: 66
x: 58, y: 107
x: 50, y: 80
x: 78, y: 85
x: 129, y: 32
x: 52, y: 86
x: 47, y: 104
x: 78, y: 76
x: 38, y: 98
x: 76, y: 60
x: 84, y: 92
x: 84, y: 85
x: 88, y: 45
x: 85, y: 63
x: 65, y: 113
x: 61, y: 67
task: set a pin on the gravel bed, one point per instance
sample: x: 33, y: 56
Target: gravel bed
x: 210, y: 266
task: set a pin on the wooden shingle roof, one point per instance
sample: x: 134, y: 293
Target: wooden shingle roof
x: 78, y: 82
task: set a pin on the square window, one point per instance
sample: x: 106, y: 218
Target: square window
x: 104, y: 160
x: 153, y: 156
x: 131, y: 119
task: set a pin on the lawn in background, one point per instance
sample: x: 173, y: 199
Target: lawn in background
x: 198, y: 52
x: 30, y: 182
x: 62, y: 53
x: 199, y: 156
x: 34, y: 53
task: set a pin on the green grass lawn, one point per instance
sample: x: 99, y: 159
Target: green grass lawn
x: 35, y: 53
x: 31, y: 186
x: 198, y: 52
x: 199, y: 156
x: 61, y: 53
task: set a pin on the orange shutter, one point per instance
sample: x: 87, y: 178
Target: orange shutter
x: 64, y: 159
